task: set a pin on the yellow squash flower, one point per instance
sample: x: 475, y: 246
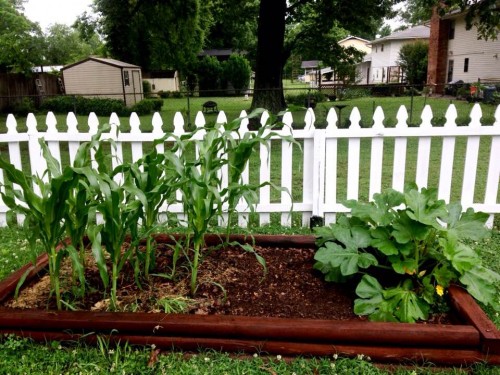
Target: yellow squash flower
x: 439, y: 290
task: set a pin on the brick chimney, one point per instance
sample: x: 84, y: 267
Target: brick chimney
x: 438, y: 53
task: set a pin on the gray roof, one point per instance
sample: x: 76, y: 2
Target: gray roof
x: 112, y: 62
x: 309, y: 64
x: 417, y: 32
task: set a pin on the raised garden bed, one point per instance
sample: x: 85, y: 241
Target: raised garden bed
x: 468, y: 337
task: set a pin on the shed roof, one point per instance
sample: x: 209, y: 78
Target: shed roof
x: 310, y: 64
x: 103, y: 60
x: 417, y: 32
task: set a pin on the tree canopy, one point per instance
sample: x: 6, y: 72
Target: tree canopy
x: 155, y: 34
x: 21, y: 41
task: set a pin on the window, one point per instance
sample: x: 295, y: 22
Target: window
x: 381, y: 48
x: 466, y: 65
x: 450, y: 71
x: 451, y: 34
x: 126, y: 79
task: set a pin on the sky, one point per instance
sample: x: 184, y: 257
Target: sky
x: 47, y: 12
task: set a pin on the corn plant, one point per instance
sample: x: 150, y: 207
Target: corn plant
x: 119, y: 206
x: 151, y: 176
x: 44, y: 212
x: 203, y: 196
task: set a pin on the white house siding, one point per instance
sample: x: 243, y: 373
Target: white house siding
x: 484, y: 56
x: 163, y: 84
x: 382, y: 60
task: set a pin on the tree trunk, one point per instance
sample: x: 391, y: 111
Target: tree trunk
x: 268, y: 87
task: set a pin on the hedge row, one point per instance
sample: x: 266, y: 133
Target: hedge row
x: 101, y: 106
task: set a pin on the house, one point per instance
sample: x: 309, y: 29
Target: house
x: 457, y: 54
x: 164, y: 80
x: 310, y: 70
x: 363, y: 45
x: 385, y: 54
x: 104, y: 78
x: 328, y: 76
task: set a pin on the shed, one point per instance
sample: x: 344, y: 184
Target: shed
x: 104, y: 78
x: 163, y: 80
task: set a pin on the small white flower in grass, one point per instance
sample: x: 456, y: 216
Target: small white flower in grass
x: 153, y: 346
x: 414, y: 372
x: 332, y: 365
x: 59, y: 347
x: 278, y: 357
x: 360, y: 356
x: 255, y: 355
x: 111, y: 351
x: 335, y: 356
x: 207, y: 359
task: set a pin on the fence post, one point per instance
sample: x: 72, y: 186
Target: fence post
x: 330, y: 170
x: 492, y: 181
x: 308, y: 190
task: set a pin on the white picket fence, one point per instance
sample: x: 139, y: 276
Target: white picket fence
x: 319, y: 157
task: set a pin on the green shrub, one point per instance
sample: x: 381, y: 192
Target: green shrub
x: 81, y: 105
x: 23, y: 107
x: 164, y: 94
x: 209, y: 73
x: 355, y: 92
x: 303, y: 98
x: 146, y: 89
x: 237, y: 71
x: 147, y: 106
x: 176, y: 94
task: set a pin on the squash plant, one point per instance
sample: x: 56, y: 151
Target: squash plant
x: 406, y: 249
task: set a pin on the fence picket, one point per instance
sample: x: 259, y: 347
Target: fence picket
x: 72, y: 123
x: 400, y: 146
x: 135, y: 146
x: 447, y: 156
x: 308, y: 165
x: 331, y: 144
x: 265, y: 175
x: 319, y: 159
x: 353, y: 157
x: 424, y: 150
x: 377, y: 154
x: 243, y: 217
x: 286, y: 169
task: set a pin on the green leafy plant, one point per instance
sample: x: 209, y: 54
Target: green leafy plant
x: 152, y: 176
x: 407, y: 248
x: 204, y: 197
x: 119, y: 206
x: 44, y: 208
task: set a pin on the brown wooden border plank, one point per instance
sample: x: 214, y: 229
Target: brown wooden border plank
x: 392, y: 354
x: 472, y: 313
x: 305, y: 330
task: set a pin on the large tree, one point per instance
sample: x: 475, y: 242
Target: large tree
x: 155, y: 34
x: 21, y: 41
x: 65, y: 45
x: 315, y: 25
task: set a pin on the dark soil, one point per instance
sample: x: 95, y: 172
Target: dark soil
x: 231, y: 282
